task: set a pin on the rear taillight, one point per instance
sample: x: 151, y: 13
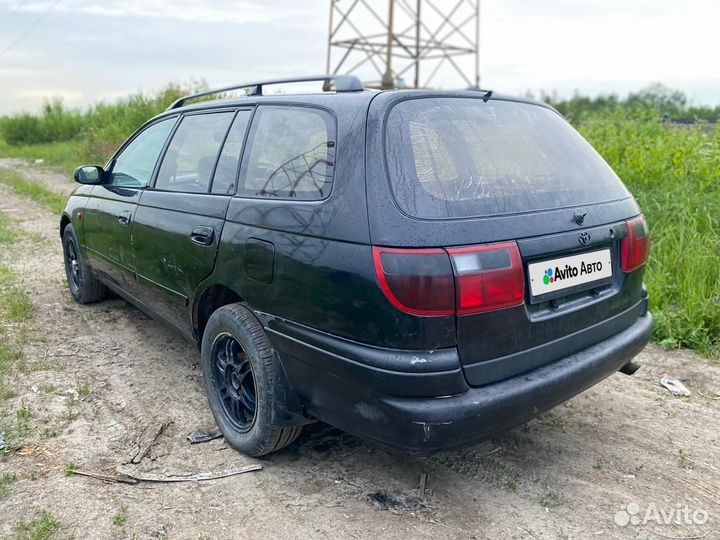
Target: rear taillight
x: 436, y: 282
x: 488, y: 277
x: 636, y: 245
x: 417, y: 281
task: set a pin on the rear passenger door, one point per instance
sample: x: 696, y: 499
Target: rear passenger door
x: 180, y: 219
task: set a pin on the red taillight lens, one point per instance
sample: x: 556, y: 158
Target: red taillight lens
x: 452, y: 281
x: 488, y: 277
x: 416, y: 281
x: 636, y: 245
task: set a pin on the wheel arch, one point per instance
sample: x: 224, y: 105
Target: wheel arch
x: 207, y: 301
x: 64, y: 222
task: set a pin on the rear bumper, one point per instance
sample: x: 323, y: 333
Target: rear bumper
x: 355, y: 397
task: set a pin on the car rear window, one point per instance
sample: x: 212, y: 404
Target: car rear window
x: 462, y: 157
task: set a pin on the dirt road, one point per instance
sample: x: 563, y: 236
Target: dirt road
x: 100, y: 380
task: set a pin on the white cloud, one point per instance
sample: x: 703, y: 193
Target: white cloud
x: 199, y: 11
x: 599, y: 45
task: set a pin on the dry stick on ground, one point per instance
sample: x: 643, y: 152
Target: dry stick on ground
x: 149, y: 477
x: 131, y: 478
x: 148, y: 440
x: 108, y: 477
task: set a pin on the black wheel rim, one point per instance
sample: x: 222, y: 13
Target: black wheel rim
x: 234, y: 382
x: 72, y: 264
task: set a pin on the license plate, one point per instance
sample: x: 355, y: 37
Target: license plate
x: 558, y: 274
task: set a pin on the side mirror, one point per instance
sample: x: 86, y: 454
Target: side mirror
x: 89, y: 174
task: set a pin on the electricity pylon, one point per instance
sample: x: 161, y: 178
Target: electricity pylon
x: 392, y: 39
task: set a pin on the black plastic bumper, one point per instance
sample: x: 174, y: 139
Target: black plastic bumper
x: 344, y: 393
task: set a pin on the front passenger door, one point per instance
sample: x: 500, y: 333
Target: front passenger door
x: 110, y: 211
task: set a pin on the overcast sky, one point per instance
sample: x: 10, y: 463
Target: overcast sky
x: 85, y: 51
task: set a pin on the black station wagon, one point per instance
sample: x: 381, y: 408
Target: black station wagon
x: 423, y: 269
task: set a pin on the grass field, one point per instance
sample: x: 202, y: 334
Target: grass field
x: 32, y: 190
x: 674, y: 171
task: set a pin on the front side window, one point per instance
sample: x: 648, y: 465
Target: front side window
x: 135, y: 164
x: 291, y: 154
x: 190, y: 159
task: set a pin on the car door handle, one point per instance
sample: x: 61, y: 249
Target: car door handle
x: 203, y: 236
x: 124, y: 217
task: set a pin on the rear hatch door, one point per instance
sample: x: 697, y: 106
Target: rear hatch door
x: 461, y: 171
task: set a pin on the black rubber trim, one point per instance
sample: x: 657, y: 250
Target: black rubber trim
x: 389, y: 371
x: 407, y: 361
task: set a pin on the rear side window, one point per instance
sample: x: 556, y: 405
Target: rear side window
x: 190, y: 159
x: 462, y: 157
x: 290, y: 154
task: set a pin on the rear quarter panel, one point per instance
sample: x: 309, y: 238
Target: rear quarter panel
x: 323, y: 273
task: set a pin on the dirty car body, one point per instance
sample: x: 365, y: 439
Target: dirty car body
x: 428, y: 268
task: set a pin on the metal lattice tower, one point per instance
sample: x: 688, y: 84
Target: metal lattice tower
x: 385, y: 41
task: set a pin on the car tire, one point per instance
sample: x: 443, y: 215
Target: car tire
x: 239, y: 375
x: 84, y: 285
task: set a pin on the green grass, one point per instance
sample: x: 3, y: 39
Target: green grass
x: 15, y: 309
x: 7, y: 236
x: 7, y: 276
x: 59, y: 156
x: 42, y: 527
x: 34, y: 191
x: 66, y: 138
x: 554, y: 421
x: 9, y: 356
x: 10, y: 312
x: 121, y: 517
x: 17, y: 305
x: 6, y: 482
x: 23, y: 416
x: 683, y: 459
x: 675, y: 175
x: 552, y: 500
x: 83, y: 390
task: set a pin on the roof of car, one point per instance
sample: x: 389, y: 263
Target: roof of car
x: 348, y: 94
x: 334, y: 100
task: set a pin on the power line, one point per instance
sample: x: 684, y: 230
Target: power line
x: 29, y: 28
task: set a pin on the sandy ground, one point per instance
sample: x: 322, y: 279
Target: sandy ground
x: 570, y: 473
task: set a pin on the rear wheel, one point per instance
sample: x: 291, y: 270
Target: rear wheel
x: 85, y: 287
x: 239, y: 376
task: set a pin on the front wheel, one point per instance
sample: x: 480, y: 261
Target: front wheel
x: 84, y: 286
x: 239, y: 376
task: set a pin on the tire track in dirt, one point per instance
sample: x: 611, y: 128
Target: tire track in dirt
x: 615, y: 444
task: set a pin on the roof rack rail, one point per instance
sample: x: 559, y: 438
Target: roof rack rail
x: 343, y: 83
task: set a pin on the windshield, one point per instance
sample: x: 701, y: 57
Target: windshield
x: 462, y: 157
